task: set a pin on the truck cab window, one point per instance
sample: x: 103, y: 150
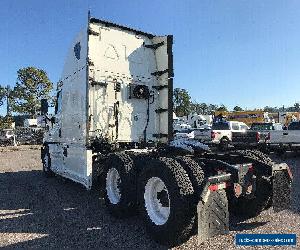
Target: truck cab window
x: 235, y: 126
x: 221, y: 126
x: 244, y: 127
x: 58, y: 102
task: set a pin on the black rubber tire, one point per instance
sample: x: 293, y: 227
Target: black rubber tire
x: 195, y: 173
x: 179, y: 225
x: 197, y: 177
x: 263, y: 193
x: 46, y: 167
x: 264, y: 157
x: 264, y: 148
x: 224, y: 144
x: 127, y: 206
x: 281, y: 152
x: 257, y: 156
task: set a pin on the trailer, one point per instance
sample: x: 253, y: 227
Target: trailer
x: 113, y: 131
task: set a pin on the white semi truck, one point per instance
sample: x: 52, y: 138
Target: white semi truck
x: 113, y: 128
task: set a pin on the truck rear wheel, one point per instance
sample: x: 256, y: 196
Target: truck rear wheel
x: 195, y: 173
x: 262, y: 156
x: 250, y: 207
x: 120, y: 187
x: 165, y: 193
x: 224, y: 144
x: 196, y: 176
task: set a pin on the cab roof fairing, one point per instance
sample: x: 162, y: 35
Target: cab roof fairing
x: 111, y: 24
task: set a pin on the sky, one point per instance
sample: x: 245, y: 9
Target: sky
x: 230, y: 52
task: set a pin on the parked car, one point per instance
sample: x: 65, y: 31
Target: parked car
x: 257, y: 136
x: 281, y: 140
x: 266, y: 126
x: 185, y: 133
x: 221, y: 133
x: 178, y: 127
x: 203, y: 134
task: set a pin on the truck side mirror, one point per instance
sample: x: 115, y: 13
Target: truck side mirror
x: 44, y: 106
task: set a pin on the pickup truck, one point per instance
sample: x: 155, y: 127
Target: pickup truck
x: 184, y: 133
x: 282, y: 140
x: 256, y: 136
x: 221, y: 132
x: 203, y: 134
x: 179, y: 127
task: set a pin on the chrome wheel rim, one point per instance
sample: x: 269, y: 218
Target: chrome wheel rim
x: 157, y: 201
x: 113, y: 181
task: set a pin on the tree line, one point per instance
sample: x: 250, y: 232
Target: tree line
x: 33, y: 84
x: 183, y: 105
x: 24, y: 98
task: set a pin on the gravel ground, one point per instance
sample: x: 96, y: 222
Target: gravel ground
x: 55, y: 213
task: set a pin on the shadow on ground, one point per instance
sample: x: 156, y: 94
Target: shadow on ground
x: 65, y: 214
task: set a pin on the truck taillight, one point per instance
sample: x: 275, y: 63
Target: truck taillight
x: 257, y: 137
x: 213, y: 135
x: 219, y: 186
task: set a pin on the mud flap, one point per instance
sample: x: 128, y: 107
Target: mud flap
x: 213, y: 214
x: 282, y: 184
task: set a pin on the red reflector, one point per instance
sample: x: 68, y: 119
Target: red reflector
x: 219, y: 186
x: 213, y: 187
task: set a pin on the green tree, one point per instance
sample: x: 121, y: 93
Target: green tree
x: 203, y: 108
x: 271, y: 109
x: 182, y: 102
x: 237, y: 108
x: 6, y: 122
x: 297, y: 107
x: 2, y: 95
x: 33, y: 85
x: 222, y: 108
x: 211, y: 109
x: 5, y: 95
x: 199, y: 108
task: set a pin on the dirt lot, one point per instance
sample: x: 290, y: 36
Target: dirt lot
x: 54, y: 213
